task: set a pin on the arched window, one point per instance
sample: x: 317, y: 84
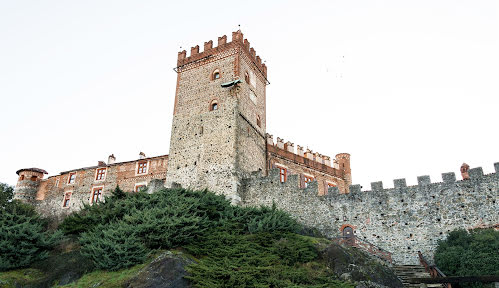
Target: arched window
x: 246, y: 77
x: 258, y: 121
x: 213, y: 105
x: 215, y: 75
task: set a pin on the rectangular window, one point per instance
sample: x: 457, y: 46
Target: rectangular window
x: 139, y: 187
x: 96, y: 194
x: 67, y: 199
x: 282, y: 174
x: 72, y: 178
x: 307, y: 179
x: 101, y: 174
x: 142, y: 168
x: 329, y: 185
x: 57, y: 183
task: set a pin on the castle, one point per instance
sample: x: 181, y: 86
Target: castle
x: 219, y: 142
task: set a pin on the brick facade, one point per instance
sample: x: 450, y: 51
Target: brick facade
x: 49, y: 195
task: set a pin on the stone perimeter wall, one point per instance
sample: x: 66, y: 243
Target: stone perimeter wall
x: 401, y: 220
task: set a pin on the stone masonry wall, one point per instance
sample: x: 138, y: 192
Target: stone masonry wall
x: 214, y: 148
x: 401, y: 220
x: 203, y: 142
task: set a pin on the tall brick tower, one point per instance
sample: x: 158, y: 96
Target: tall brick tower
x: 218, y: 129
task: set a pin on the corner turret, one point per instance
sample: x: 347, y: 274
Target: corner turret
x: 28, y: 183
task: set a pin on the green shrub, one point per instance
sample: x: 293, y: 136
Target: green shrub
x: 113, y: 246
x: 256, y: 260
x: 178, y: 217
x: 24, y: 237
x: 469, y: 254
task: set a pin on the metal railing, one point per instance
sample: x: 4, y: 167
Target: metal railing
x: 365, y: 246
x: 432, y: 269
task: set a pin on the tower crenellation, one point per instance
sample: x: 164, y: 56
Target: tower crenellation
x: 237, y: 41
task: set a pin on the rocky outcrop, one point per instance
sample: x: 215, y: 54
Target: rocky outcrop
x: 353, y: 265
x: 167, y: 270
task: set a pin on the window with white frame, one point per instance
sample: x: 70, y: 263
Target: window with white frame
x: 72, y: 178
x: 67, y: 200
x: 100, y: 174
x: 96, y: 194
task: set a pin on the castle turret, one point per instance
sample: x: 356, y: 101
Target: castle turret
x: 28, y: 183
x: 343, y: 160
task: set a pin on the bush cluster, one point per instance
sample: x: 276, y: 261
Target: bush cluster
x: 471, y: 253
x: 120, y: 232
x: 23, y: 236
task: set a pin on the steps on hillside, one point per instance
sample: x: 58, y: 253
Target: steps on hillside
x: 406, y: 272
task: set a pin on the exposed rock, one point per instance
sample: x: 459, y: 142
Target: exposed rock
x: 352, y: 264
x: 167, y: 270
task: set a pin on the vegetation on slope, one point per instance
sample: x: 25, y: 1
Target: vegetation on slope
x: 471, y: 253
x: 231, y: 246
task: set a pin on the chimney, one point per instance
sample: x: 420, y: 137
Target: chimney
x: 111, y: 159
x: 142, y: 155
x: 464, y: 171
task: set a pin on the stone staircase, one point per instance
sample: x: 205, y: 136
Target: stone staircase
x: 406, y: 272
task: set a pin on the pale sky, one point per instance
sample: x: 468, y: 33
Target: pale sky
x: 408, y: 88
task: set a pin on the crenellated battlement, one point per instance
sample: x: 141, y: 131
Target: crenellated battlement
x: 449, y: 178
x: 402, y: 220
x: 238, y: 42
x: 307, y: 153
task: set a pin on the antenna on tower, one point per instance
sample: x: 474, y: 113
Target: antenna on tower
x: 239, y: 27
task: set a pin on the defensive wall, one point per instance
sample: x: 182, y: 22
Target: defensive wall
x: 401, y: 220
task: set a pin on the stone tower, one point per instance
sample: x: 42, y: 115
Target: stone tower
x: 218, y: 129
x: 28, y: 183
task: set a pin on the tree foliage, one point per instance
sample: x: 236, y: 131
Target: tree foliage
x: 23, y: 236
x: 6, y: 194
x: 466, y: 253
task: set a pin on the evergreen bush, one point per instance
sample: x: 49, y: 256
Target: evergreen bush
x: 23, y: 236
x: 113, y: 246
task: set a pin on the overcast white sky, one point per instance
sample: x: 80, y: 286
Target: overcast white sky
x: 408, y: 88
